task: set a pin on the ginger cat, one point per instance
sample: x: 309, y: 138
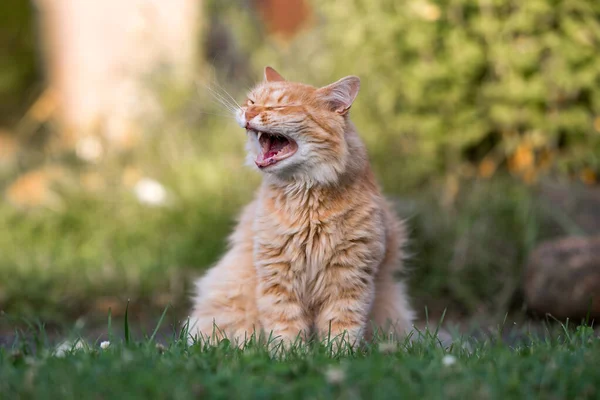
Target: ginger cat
x: 316, y: 251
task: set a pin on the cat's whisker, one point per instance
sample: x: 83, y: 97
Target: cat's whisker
x: 221, y: 99
x: 226, y: 104
x: 218, y: 98
x: 213, y: 80
x: 222, y: 89
x: 200, y: 105
x: 227, y: 93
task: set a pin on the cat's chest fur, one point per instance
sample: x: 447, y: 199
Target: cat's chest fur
x: 299, y: 235
x: 301, y: 230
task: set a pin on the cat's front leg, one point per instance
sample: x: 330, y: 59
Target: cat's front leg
x: 343, y: 316
x: 283, y: 319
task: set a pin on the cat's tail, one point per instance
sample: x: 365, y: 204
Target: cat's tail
x: 391, y: 307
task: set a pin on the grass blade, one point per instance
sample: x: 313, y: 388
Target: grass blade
x: 110, y: 332
x: 126, y: 324
x: 162, y: 317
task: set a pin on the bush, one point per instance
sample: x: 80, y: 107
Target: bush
x: 18, y: 73
x: 462, y: 85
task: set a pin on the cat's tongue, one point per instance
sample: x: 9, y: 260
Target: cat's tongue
x: 273, y: 149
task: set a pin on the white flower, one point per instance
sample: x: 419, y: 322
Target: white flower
x: 335, y: 375
x: 388, y: 347
x: 448, y: 360
x: 150, y: 192
x: 89, y: 149
x: 105, y: 344
x: 67, y: 346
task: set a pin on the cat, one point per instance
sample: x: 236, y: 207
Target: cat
x: 316, y: 251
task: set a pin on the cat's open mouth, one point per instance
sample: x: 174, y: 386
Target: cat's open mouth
x: 273, y: 148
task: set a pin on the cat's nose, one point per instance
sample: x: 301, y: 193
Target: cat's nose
x: 251, y: 112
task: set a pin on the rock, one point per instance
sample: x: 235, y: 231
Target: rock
x: 562, y: 278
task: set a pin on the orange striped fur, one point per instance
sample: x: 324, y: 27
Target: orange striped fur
x: 316, y: 251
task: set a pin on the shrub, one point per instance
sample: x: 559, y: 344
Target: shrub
x: 461, y: 85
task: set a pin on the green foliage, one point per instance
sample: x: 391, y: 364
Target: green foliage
x: 18, y: 47
x: 468, y: 256
x: 449, y: 81
x: 485, y: 368
x: 94, y: 245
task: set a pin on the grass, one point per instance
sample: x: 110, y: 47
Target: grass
x: 555, y: 364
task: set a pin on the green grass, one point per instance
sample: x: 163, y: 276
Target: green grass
x: 559, y: 363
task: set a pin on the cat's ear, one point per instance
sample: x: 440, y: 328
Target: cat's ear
x: 341, y: 94
x: 272, y: 76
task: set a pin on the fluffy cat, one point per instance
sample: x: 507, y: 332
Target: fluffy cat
x: 316, y: 251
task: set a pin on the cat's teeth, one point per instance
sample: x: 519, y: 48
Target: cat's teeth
x: 258, y: 135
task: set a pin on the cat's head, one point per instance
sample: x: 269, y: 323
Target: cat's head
x: 296, y: 131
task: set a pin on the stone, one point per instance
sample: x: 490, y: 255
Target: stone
x: 562, y: 278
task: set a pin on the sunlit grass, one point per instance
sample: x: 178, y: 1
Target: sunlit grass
x: 556, y: 363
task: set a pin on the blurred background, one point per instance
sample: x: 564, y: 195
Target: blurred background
x: 121, y: 173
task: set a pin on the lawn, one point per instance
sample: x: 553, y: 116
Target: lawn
x: 554, y: 363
